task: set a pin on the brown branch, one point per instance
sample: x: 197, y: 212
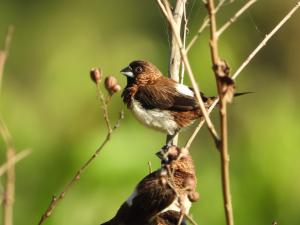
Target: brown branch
x: 235, y: 17
x: 55, y: 200
x: 219, y: 71
x: 266, y: 39
x: 165, y: 8
x: 203, y: 26
x: 18, y: 157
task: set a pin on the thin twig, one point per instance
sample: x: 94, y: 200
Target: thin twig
x: 192, y: 221
x: 234, y: 18
x: 9, y: 193
x: 18, y: 157
x: 223, y: 147
x: 185, y: 31
x: 266, y: 39
x: 204, y: 24
x: 202, y: 121
x: 150, y: 167
x: 4, y: 53
x: 55, y: 200
x: 209, y: 123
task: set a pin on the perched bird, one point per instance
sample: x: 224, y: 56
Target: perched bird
x: 163, y: 194
x: 168, y: 218
x: 159, y: 102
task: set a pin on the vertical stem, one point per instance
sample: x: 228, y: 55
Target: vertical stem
x: 9, y: 188
x: 218, y: 70
x: 225, y: 173
x: 175, y: 55
x: 9, y: 192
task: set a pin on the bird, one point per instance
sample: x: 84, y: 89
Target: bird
x: 159, y: 102
x: 163, y: 194
x: 168, y: 218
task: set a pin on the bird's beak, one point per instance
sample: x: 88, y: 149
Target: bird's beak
x: 127, y: 72
x: 163, y: 156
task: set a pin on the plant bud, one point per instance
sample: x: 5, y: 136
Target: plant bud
x: 111, y: 85
x: 193, y: 196
x: 96, y: 75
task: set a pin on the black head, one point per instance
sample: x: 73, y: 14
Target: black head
x: 141, y: 71
x: 168, y: 153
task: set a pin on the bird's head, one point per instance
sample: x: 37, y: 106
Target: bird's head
x: 170, y: 153
x: 141, y: 72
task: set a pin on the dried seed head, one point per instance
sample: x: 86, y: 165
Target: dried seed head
x: 111, y: 85
x: 96, y: 75
x: 194, y: 196
x: 190, y: 183
x: 228, y: 88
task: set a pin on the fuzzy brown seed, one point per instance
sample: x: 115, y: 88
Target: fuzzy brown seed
x: 96, y: 75
x: 111, y: 85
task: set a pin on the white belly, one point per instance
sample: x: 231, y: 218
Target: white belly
x: 185, y: 204
x: 160, y: 120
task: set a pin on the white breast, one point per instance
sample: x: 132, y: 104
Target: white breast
x: 176, y: 206
x: 156, y: 119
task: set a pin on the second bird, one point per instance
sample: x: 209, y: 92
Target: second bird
x: 160, y: 102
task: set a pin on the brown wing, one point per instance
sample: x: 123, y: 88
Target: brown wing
x: 153, y: 196
x: 163, y: 94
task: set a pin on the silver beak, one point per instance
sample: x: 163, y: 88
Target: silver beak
x: 127, y: 72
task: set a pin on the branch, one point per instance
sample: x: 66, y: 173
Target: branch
x: 175, y: 57
x: 202, y: 121
x: 110, y: 129
x: 219, y: 69
x: 211, y: 128
x: 9, y: 194
x: 18, y: 157
x: 266, y: 39
x: 234, y: 18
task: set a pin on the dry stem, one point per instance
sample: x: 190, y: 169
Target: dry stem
x: 18, y: 157
x: 55, y: 200
x: 218, y: 70
x: 9, y: 193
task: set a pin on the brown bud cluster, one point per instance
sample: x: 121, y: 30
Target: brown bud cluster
x: 96, y: 75
x: 111, y: 85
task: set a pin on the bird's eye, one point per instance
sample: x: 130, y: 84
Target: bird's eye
x: 138, y: 69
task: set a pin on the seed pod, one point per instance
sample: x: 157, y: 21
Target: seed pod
x: 96, y: 75
x: 193, y: 196
x: 111, y: 85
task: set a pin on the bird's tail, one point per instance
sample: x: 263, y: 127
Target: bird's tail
x: 210, y: 100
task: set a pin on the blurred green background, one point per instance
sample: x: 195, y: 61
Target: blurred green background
x: 50, y: 106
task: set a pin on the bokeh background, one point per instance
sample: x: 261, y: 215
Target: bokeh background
x: 50, y: 106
